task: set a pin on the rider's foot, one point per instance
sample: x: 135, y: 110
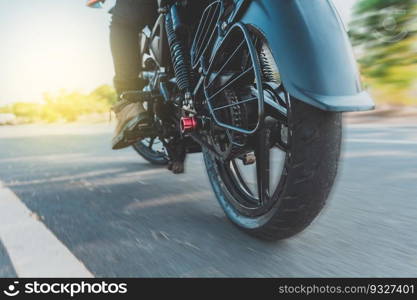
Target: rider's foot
x: 132, y: 120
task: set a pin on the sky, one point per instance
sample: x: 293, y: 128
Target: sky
x: 48, y: 45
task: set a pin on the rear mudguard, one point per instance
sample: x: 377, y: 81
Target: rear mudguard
x: 312, y: 49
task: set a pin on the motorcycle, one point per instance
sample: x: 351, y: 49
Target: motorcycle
x: 259, y: 87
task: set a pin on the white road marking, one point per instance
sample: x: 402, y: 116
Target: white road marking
x: 32, y: 247
x: 380, y: 141
x: 385, y: 126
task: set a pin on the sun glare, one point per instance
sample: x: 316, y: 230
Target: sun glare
x: 55, y: 52
x: 54, y: 45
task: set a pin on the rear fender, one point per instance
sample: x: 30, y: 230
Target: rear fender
x: 312, y: 49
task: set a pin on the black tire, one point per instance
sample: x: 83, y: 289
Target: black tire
x: 154, y: 157
x: 308, y: 175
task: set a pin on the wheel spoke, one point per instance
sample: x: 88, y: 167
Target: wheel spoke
x: 283, y: 137
x: 240, y: 179
x: 262, y: 153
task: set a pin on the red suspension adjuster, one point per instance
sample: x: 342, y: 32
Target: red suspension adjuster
x: 188, y: 124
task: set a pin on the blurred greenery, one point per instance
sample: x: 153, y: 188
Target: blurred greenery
x: 384, y: 33
x: 64, y: 106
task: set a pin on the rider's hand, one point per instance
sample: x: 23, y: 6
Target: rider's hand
x: 94, y: 3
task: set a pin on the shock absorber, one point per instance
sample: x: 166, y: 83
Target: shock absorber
x: 270, y: 72
x: 180, y: 58
x: 267, y: 71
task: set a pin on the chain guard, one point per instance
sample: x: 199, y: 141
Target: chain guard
x: 229, y: 143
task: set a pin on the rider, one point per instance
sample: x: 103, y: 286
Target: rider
x: 129, y: 17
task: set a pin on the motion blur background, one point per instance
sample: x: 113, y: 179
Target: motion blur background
x: 70, y: 206
x: 56, y: 62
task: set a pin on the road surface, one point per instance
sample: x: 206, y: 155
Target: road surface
x: 72, y: 207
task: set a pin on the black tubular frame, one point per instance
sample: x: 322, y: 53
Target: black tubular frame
x: 255, y: 68
x: 204, y: 56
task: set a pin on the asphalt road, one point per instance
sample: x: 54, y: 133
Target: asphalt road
x: 120, y: 216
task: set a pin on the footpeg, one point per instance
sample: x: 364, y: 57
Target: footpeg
x: 136, y: 96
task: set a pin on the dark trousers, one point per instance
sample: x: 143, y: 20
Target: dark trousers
x: 129, y: 17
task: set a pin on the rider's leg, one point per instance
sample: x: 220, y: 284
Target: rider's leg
x: 129, y: 17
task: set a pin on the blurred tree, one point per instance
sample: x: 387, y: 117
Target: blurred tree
x: 29, y: 111
x: 64, y: 105
x: 385, y: 34
x: 105, y: 93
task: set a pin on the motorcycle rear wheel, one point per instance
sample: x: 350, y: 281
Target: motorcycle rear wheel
x: 307, y: 176
x: 309, y: 140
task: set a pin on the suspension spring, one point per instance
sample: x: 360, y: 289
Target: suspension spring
x: 180, y: 60
x: 267, y: 70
